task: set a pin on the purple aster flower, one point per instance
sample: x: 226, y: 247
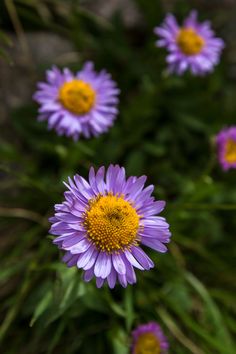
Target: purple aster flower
x: 149, y: 338
x: 226, y: 143
x: 80, y: 104
x: 103, y: 223
x: 192, y: 46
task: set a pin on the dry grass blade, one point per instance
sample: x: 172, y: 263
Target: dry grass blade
x: 18, y: 28
x: 25, y: 214
x: 177, y: 333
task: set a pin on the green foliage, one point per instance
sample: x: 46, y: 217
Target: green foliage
x: 165, y: 130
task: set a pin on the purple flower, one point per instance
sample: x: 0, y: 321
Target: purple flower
x: 80, y: 104
x: 192, y: 46
x: 103, y: 223
x: 226, y: 143
x: 149, y: 338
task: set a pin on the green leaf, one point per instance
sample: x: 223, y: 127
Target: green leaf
x: 42, y: 306
x: 221, y: 331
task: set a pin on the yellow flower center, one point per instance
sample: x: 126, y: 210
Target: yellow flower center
x: 189, y: 41
x: 147, y: 343
x: 230, y: 151
x: 111, y: 223
x: 77, y: 96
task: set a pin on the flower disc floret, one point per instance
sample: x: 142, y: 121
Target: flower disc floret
x: 112, y: 223
x: 147, y: 343
x: 77, y: 96
x: 189, y: 41
x: 230, y: 151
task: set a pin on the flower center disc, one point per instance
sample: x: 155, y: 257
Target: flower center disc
x: 77, y: 96
x: 111, y: 223
x: 189, y: 41
x: 230, y: 151
x: 147, y: 343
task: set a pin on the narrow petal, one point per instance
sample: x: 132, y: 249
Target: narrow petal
x: 80, y: 247
x: 154, y: 244
x: 102, y: 266
x: 72, y: 262
x: 154, y: 208
x: 91, y: 261
x: 142, y: 258
x: 123, y: 280
x: 130, y: 274
x: 85, y: 257
x: 132, y: 260
x: 88, y: 275
x: 99, y: 282
x: 118, y: 264
x: 70, y: 241
x: 100, y: 180
x: 111, y: 279
x: 67, y: 257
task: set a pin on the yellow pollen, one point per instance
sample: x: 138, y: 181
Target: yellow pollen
x: 189, y: 41
x: 111, y: 223
x: 230, y: 151
x: 147, y: 343
x: 77, y: 96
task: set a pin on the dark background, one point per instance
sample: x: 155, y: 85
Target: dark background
x: 166, y: 130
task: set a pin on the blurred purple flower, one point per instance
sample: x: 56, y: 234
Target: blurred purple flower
x: 149, y: 338
x: 80, y: 104
x: 192, y: 46
x: 102, y: 224
x: 226, y: 144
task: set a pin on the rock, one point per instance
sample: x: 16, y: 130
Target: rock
x: 18, y: 80
x: 127, y: 8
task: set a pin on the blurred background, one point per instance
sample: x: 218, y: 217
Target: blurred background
x: 166, y: 130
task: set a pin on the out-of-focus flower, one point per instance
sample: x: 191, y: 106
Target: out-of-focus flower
x: 80, y: 104
x: 149, y: 338
x: 103, y: 223
x: 192, y: 46
x: 226, y: 144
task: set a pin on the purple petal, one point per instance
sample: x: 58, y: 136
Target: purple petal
x: 102, y: 266
x: 91, y: 260
x: 72, y: 262
x: 142, y: 258
x: 80, y: 247
x: 99, y: 282
x: 70, y: 241
x: 132, y: 260
x: 100, y: 180
x: 154, y: 208
x: 118, y: 264
x: 67, y: 256
x: 130, y: 274
x: 111, y: 279
x: 88, y: 275
x: 155, y: 244
x: 92, y: 180
x: 136, y: 188
x: 155, y: 221
x: 85, y: 257
x: 123, y: 280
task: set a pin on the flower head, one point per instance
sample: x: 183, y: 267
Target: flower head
x: 226, y: 143
x: 103, y: 223
x: 192, y: 46
x: 149, y: 338
x: 80, y: 104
